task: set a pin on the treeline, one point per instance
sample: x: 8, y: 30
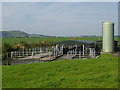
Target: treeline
x: 7, y: 48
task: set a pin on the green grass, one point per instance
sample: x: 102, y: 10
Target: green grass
x: 17, y: 40
x: 99, y: 72
x: 51, y: 39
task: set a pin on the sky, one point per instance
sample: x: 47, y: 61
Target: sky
x: 59, y: 0
x: 59, y: 18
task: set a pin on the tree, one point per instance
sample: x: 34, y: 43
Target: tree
x: 6, y: 48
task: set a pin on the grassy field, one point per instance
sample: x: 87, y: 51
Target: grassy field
x: 52, y: 39
x: 17, y: 40
x: 80, y: 73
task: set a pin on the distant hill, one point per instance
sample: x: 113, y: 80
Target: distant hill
x: 19, y: 34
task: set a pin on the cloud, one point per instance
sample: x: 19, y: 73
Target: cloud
x: 58, y: 18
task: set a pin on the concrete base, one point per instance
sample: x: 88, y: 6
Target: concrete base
x: 106, y: 52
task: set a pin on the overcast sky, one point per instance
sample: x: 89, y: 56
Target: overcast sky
x: 59, y: 18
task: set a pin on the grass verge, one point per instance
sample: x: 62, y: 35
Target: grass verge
x: 100, y: 72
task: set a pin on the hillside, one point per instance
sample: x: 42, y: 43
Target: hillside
x: 17, y: 33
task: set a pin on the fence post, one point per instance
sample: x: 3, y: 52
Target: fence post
x: 94, y: 53
x: 23, y: 53
x: 32, y: 55
x: 75, y: 51
x: 56, y: 49
x: 11, y: 54
x: 68, y: 54
x: 26, y: 53
x: 50, y: 55
x: 62, y: 49
x: 35, y: 50
x: 40, y: 49
x: 71, y: 54
x: 83, y: 49
x: 90, y: 52
x: 86, y: 50
x: 54, y: 52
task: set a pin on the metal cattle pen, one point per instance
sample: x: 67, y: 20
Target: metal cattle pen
x: 55, y: 52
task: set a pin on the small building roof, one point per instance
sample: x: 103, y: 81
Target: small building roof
x: 73, y: 42
x: 84, y: 41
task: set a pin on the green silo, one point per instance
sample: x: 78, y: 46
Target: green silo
x: 108, y: 37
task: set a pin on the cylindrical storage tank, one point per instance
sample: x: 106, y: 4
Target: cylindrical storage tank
x: 108, y: 37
